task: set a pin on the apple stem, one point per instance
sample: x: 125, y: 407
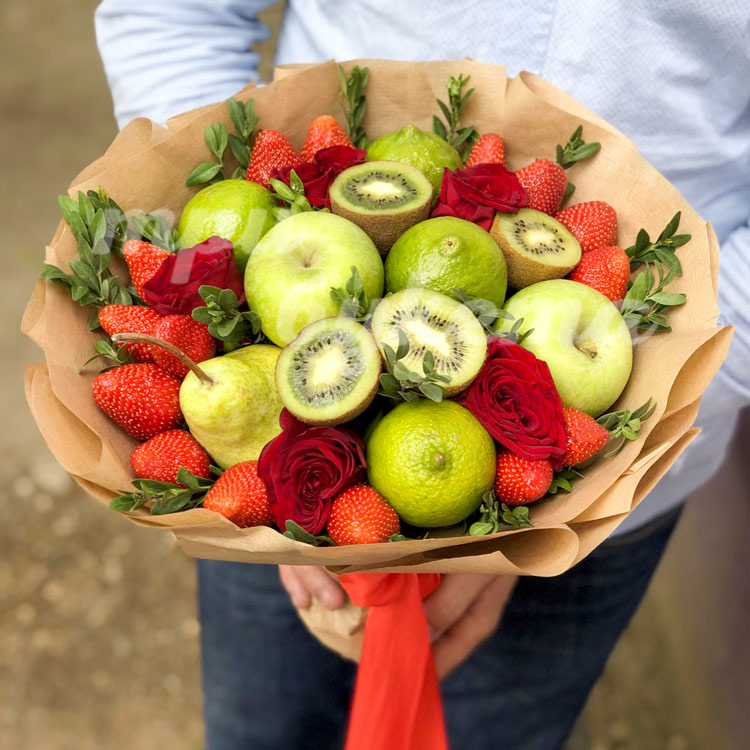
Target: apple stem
x: 143, y: 338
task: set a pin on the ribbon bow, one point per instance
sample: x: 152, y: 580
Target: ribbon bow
x: 396, y: 702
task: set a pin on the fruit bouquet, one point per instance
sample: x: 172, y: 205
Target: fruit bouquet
x: 355, y: 319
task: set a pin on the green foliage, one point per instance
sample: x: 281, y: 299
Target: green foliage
x: 353, y: 88
x: 218, y: 139
x: 164, y: 497
x: 352, y: 300
x: 491, y: 515
x: 296, y: 532
x: 575, y: 150
x: 402, y: 384
x: 100, y: 228
x: 117, y: 355
x: 292, y: 197
x: 561, y: 482
x: 647, y: 300
x: 625, y: 425
x: 225, y: 320
x: 460, y: 138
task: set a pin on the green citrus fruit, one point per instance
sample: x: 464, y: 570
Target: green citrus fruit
x: 429, y: 153
x: 431, y: 461
x: 236, y: 210
x: 446, y: 254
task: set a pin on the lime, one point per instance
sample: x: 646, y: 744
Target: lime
x: 446, y: 254
x: 429, y: 153
x: 431, y: 461
x: 236, y: 210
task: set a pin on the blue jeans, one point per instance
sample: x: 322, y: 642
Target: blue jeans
x: 269, y: 685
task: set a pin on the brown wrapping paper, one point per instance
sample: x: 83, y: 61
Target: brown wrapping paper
x: 145, y: 169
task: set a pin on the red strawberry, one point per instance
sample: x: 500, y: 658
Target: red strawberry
x: 361, y: 515
x: 142, y: 399
x: 519, y: 480
x: 585, y: 437
x: 131, y: 319
x: 324, y: 132
x: 607, y: 270
x: 143, y: 260
x: 272, y: 150
x: 545, y: 184
x: 189, y: 336
x: 240, y: 495
x: 489, y: 149
x: 593, y: 224
x: 161, y: 457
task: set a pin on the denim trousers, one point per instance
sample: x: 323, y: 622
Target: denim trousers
x: 269, y: 685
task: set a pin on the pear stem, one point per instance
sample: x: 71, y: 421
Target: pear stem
x: 143, y: 338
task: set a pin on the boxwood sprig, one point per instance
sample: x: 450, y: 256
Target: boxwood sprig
x: 625, y: 425
x: 225, y: 321
x: 164, y: 497
x: 402, y: 384
x: 459, y: 137
x: 218, y: 139
x: 355, y: 103
x: 352, y: 300
x: 575, y: 150
x: 493, y: 514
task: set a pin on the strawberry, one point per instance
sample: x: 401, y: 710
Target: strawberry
x: 489, y: 149
x: 161, y: 456
x: 361, y: 515
x: 545, y: 184
x: 585, y: 437
x: 143, y: 260
x: 324, y: 132
x: 272, y: 150
x: 240, y: 495
x: 593, y: 224
x: 606, y: 269
x: 519, y: 480
x: 141, y: 398
x: 187, y: 335
x: 131, y: 319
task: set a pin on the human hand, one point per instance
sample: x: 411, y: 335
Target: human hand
x: 302, y: 582
x: 464, y: 610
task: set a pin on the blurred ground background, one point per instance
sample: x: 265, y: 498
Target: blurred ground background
x: 98, y: 634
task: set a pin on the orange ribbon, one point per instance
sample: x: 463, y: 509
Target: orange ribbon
x: 396, y: 702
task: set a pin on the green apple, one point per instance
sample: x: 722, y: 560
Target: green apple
x: 581, y: 335
x: 289, y: 276
x: 236, y: 210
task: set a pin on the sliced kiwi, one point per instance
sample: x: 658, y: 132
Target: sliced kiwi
x: 435, y: 323
x: 536, y: 247
x: 330, y: 373
x: 384, y: 198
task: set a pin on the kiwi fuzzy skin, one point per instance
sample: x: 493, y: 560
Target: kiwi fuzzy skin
x: 383, y: 227
x: 523, y: 271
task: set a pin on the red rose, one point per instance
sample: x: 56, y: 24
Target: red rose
x: 476, y: 193
x: 317, y: 175
x: 515, y: 399
x: 305, y: 468
x: 173, y: 289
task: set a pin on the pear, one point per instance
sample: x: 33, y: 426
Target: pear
x: 230, y: 402
x: 233, y: 411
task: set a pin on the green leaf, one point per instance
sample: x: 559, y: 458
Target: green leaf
x: 296, y: 532
x: 669, y: 298
x: 204, y: 172
x: 431, y: 391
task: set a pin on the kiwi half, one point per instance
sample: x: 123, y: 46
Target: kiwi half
x: 384, y: 198
x: 330, y: 373
x: 436, y: 323
x: 536, y: 247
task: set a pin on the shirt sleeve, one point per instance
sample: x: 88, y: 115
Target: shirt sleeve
x: 164, y: 58
x: 730, y: 389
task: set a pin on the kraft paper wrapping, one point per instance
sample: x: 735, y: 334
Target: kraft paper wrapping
x: 144, y: 170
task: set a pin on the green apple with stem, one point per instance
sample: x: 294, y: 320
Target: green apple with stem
x: 289, y: 276
x: 581, y: 336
